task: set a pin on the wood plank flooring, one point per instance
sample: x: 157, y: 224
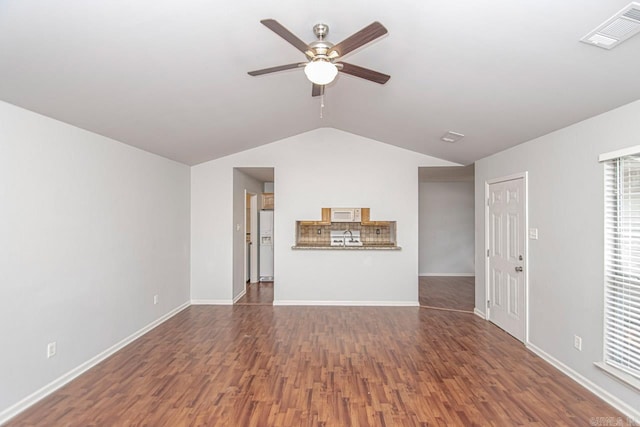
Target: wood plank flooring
x: 257, y: 365
x: 260, y: 293
x: 447, y: 292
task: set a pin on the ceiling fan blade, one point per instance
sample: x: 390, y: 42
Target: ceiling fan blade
x: 274, y: 69
x: 362, y: 37
x: 277, y: 28
x: 317, y: 90
x: 363, y: 73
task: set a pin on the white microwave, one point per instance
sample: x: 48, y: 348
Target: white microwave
x: 346, y: 215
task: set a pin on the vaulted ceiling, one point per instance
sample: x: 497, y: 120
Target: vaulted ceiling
x: 171, y: 77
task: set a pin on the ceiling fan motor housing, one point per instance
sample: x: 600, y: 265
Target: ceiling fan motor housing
x: 320, y: 48
x: 321, y: 31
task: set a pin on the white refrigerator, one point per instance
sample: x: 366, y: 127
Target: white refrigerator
x: 266, y: 246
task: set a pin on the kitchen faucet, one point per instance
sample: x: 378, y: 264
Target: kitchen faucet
x: 344, y: 237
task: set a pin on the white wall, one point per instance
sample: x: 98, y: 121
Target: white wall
x: 241, y: 183
x: 90, y: 230
x: 308, y: 177
x: 446, y: 228
x: 566, y: 263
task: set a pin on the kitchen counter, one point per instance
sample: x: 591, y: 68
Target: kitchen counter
x: 348, y: 248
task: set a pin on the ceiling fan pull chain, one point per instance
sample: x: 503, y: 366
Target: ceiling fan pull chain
x: 321, y: 104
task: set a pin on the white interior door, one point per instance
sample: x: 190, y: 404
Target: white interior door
x: 506, y: 255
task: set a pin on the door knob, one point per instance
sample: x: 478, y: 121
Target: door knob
x: 518, y: 269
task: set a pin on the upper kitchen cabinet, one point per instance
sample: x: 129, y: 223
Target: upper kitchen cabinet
x: 366, y: 218
x: 268, y: 201
x: 326, y: 218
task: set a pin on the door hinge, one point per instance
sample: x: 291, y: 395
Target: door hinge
x: 487, y: 252
x: 488, y: 303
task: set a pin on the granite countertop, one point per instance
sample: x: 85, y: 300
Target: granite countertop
x: 373, y: 247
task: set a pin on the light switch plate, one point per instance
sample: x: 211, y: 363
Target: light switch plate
x: 533, y: 233
x: 51, y: 349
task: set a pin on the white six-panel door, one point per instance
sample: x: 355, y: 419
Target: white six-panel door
x: 506, y: 256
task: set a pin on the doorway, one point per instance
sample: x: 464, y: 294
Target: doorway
x: 446, y: 230
x: 257, y: 291
x: 506, y: 261
x: 252, y: 187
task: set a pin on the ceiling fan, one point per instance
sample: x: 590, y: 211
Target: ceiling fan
x: 323, y: 65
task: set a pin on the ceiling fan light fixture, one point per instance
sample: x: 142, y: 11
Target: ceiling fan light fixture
x: 321, y: 71
x: 319, y: 66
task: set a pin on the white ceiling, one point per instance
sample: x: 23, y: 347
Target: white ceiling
x: 260, y: 174
x: 171, y: 77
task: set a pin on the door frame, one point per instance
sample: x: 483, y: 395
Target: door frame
x: 487, y: 290
x: 253, y: 219
x: 253, y: 274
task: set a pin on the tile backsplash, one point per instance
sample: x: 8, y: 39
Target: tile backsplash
x: 369, y: 234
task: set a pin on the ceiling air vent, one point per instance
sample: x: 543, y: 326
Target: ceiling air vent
x: 452, y: 137
x: 616, y: 29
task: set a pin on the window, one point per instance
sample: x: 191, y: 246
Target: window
x: 622, y: 264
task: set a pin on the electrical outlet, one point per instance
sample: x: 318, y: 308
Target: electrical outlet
x: 155, y: 299
x: 577, y: 342
x: 51, y: 350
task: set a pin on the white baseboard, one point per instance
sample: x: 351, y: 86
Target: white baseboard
x: 15, y: 409
x: 628, y: 410
x: 448, y: 274
x: 240, y: 295
x: 211, y: 302
x: 479, y: 313
x: 350, y: 303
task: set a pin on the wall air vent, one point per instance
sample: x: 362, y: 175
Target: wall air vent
x: 616, y: 29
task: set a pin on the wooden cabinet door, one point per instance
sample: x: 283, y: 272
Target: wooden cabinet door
x: 268, y: 201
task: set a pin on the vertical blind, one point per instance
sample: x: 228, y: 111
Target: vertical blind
x: 622, y: 264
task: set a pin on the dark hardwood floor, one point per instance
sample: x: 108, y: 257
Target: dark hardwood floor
x: 253, y: 365
x: 260, y: 293
x: 447, y: 292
